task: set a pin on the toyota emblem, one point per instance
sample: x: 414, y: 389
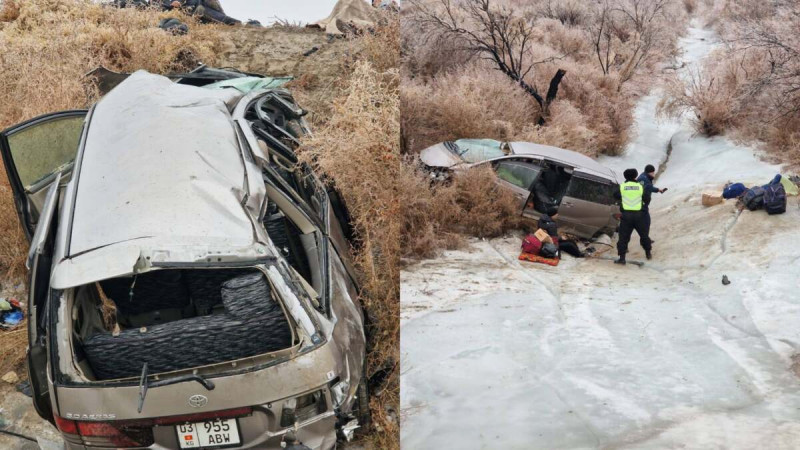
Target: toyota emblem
x: 198, y: 401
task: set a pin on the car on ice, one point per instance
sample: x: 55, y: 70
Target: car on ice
x: 544, y: 180
x: 190, y: 284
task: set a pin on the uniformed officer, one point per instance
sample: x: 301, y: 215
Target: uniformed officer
x: 631, y: 196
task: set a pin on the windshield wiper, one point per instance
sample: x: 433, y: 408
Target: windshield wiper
x: 144, y: 383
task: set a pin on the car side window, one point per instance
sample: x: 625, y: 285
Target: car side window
x: 41, y: 150
x: 519, y: 174
x: 591, y: 191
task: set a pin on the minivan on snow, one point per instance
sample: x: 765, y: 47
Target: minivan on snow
x: 190, y: 285
x: 543, y: 179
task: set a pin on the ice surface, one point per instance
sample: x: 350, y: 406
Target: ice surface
x: 498, y: 353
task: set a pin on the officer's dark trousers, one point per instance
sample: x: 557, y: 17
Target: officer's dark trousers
x: 633, y: 220
x: 646, y: 217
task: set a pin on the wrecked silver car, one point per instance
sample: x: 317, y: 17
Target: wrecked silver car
x: 544, y: 180
x: 190, y: 285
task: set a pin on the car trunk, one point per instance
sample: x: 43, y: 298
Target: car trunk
x: 173, y: 320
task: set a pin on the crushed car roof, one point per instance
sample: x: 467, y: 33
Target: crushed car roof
x: 161, y: 167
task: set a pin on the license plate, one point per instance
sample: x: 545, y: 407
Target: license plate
x: 217, y: 433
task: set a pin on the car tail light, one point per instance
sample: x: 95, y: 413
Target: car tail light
x: 132, y: 433
x: 115, y: 434
x: 66, y: 425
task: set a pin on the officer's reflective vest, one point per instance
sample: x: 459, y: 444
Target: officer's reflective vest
x: 632, y: 193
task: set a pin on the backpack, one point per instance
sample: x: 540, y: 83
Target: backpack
x: 531, y: 244
x: 775, y: 199
x: 733, y: 190
x: 549, y: 250
x: 753, y: 199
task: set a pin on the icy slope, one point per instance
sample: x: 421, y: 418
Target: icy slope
x: 499, y: 353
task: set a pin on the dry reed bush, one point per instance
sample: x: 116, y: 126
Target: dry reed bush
x: 475, y: 102
x: 358, y: 149
x: 9, y: 10
x: 479, y: 206
x: 712, y: 97
x: 593, y: 110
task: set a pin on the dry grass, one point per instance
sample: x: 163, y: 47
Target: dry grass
x: 358, y: 150
x: 449, y: 93
x: 711, y: 96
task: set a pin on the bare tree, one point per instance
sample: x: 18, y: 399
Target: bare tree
x: 612, y: 43
x: 778, y: 46
x: 497, y: 34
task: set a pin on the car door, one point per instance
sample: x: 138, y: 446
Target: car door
x: 34, y: 153
x: 588, y: 204
x: 517, y: 177
x: 39, y: 264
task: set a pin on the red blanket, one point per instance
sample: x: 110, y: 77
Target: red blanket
x: 536, y: 258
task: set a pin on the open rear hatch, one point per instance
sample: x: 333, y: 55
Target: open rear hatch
x: 181, y: 328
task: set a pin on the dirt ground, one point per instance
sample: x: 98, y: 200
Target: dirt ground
x: 309, y: 55
x: 17, y: 415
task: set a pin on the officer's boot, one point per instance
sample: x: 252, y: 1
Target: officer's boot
x: 620, y: 260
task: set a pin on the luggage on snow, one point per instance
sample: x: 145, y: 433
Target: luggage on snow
x: 531, y: 244
x: 753, y: 199
x: 775, y: 199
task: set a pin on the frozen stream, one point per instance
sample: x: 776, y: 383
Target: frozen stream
x: 502, y: 354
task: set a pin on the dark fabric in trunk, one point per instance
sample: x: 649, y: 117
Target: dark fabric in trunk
x: 162, y: 289
x: 252, y: 324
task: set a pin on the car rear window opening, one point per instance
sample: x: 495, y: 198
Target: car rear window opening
x: 175, y: 319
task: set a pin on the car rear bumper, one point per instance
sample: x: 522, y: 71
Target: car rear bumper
x: 258, y: 430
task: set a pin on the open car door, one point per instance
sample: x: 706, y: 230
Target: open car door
x: 34, y: 154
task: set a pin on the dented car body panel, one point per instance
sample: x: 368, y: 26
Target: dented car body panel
x: 173, y: 181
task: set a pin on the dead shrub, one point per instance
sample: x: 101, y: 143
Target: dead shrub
x: 358, y: 150
x: 475, y: 103
x: 593, y: 110
x: 761, y: 39
x: 9, y: 10
x: 715, y: 96
x: 480, y: 207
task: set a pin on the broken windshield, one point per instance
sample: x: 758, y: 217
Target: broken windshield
x: 477, y: 150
